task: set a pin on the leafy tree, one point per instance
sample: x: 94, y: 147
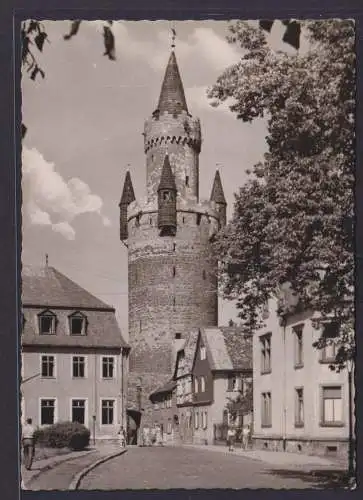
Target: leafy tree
x: 242, y: 404
x: 293, y: 220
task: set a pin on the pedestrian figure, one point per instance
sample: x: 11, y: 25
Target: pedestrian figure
x: 28, y: 443
x: 231, y: 434
x: 245, y: 436
x: 122, y: 437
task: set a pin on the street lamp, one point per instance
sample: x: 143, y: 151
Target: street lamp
x: 351, y: 472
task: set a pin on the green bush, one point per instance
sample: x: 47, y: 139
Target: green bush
x: 63, y: 435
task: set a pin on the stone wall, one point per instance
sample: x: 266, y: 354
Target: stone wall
x: 319, y: 447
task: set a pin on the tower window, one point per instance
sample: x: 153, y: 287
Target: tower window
x: 174, y: 271
x: 151, y: 221
x: 166, y: 196
x: 174, y: 301
x: 187, y: 180
x: 183, y: 220
x: 199, y: 218
x: 174, y: 247
x: 204, y: 274
x: 152, y: 157
x: 177, y: 336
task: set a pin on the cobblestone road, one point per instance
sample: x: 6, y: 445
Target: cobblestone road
x: 170, y: 467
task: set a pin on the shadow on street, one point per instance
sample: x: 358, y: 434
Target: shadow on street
x: 320, y: 479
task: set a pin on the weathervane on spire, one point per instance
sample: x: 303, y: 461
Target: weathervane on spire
x: 173, y: 36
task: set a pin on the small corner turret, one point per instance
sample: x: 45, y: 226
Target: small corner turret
x: 167, y: 192
x: 217, y: 196
x: 127, y: 197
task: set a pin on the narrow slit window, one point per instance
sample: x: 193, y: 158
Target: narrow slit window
x: 174, y: 271
x: 187, y: 180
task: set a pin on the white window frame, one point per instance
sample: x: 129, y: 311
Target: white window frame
x: 114, y: 377
x: 114, y: 411
x: 43, y: 354
x: 297, y: 331
x: 196, y: 420
x: 196, y: 385
x: 48, y: 314
x: 202, y: 384
x: 332, y: 423
x: 85, y: 366
x: 73, y: 398
x: 203, y: 352
x: 55, y: 419
x: 77, y: 315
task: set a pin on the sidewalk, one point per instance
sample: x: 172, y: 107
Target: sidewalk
x: 44, y: 465
x: 279, y: 458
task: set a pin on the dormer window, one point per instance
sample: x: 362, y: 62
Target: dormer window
x: 77, y: 323
x: 46, y: 323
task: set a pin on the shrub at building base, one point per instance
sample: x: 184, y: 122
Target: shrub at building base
x: 64, y: 435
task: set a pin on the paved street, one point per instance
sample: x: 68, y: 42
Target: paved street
x: 61, y: 476
x: 170, y: 467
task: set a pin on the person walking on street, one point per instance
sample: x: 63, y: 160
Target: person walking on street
x: 122, y: 437
x: 27, y: 436
x: 231, y: 434
x: 245, y: 436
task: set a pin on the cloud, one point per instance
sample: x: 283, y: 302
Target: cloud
x: 50, y: 200
x: 65, y: 229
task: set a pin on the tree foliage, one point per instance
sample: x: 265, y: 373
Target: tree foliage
x: 242, y: 404
x: 293, y: 220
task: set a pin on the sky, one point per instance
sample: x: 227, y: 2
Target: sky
x: 85, y: 122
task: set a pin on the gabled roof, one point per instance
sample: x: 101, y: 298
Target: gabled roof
x: 167, y: 179
x: 217, y: 194
x: 128, y: 194
x: 172, y: 97
x: 47, y: 287
x: 228, y: 348
x: 165, y: 389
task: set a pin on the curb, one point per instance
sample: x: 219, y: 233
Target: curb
x: 52, y: 466
x: 78, y: 477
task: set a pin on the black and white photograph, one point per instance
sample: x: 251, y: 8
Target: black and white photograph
x: 187, y: 255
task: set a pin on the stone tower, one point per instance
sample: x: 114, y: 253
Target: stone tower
x: 172, y: 275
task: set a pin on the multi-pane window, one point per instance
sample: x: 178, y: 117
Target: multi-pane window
x: 203, y: 352
x: 47, y: 411
x: 265, y: 353
x: 108, y: 367
x: 77, y: 324
x: 107, y: 411
x: 79, y: 410
x: 78, y: 367
x: 332, y: 405
x: 298, y: 346
x: 48, y: 367
x: 195, y: 384
x: 299, y: 406
x: 330, y: 332
x: 266, y: 419
x: 46, y: 323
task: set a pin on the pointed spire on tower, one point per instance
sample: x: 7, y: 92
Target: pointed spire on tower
x: 167, y: 179
x: 172, y: 97
x: 128, y: 194
x: 217, y: 194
